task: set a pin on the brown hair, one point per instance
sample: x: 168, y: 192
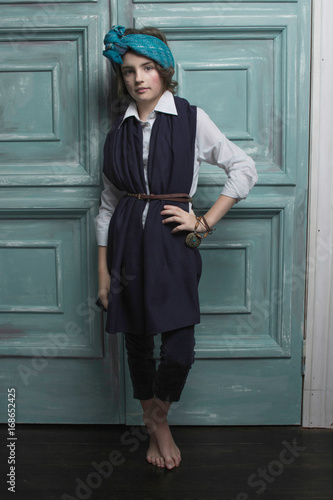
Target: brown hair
x: 166, y: 74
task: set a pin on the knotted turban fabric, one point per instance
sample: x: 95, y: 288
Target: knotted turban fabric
x: 116, y: 45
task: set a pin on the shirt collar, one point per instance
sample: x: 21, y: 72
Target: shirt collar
x: 166, y: 104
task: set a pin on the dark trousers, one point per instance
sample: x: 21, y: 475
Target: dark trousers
x: 177, y: 356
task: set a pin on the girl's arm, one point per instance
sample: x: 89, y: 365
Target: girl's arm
x: 109, y: 200
x: 214, y: 148
x: 103, y: 276
x: 186, y: 220
x: 219, y: 209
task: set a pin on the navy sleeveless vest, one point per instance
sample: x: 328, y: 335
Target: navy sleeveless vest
x: 154, y: 275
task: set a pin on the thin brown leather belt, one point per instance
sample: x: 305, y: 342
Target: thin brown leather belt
x: 181, y: 197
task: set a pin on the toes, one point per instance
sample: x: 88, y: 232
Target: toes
x: 151, y: 458
x: 170, y: 464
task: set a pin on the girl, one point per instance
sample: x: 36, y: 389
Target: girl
x: 149, y: 266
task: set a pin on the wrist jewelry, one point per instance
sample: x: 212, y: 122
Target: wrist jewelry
x: 193, y: 240
x: 204, y: 223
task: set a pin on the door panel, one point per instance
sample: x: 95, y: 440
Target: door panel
x: 247, y: 65
x: 54, y: 84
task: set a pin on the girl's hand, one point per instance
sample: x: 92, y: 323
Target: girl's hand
x: 103, y: 286
x: 186, y: 220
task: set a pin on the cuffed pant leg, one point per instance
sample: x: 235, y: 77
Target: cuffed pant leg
x: 141, y: 363
x: 177, y: 357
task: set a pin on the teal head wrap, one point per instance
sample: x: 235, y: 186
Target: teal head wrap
x: 116, y: 45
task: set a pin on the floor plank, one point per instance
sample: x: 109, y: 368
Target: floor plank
x: 222, y: 463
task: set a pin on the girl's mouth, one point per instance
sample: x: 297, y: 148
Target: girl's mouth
x: 141, y: 90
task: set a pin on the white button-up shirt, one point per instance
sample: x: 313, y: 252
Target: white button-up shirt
x: 211, y: 146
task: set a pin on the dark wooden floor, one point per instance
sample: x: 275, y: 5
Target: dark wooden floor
x: 220, y: 463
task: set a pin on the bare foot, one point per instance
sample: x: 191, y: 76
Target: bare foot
x: 168, y: 448
x: 156, y: 422
x: 153, y: 454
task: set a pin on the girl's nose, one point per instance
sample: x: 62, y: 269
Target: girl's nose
x: 138, y: 77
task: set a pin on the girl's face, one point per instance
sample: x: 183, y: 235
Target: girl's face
x: 142, y: 79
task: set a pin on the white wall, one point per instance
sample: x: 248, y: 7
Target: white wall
x: 318, y: 383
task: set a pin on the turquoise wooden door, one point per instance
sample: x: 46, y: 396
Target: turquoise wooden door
x: 53, y: 83
x: 247, y: 64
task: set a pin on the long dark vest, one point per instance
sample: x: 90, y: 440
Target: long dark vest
x: 154, y: 275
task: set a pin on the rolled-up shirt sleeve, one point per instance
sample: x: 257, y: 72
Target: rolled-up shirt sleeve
x: 214, y: 148
x: 109, y: 199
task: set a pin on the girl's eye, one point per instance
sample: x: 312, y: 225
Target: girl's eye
x: 127, y: 72
x: 149, y: 68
